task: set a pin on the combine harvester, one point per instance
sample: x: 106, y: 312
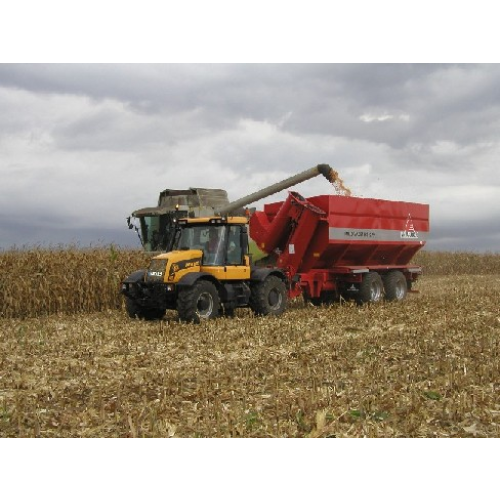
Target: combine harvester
x: 324, y: 247
x: 157, y: 224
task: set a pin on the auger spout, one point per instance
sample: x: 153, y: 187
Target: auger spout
x: 322, y: 169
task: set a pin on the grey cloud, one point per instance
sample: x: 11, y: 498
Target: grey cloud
x: 459, y: 103
x: 476, y: 236
x: 32, y: 234
x: 121, y: 133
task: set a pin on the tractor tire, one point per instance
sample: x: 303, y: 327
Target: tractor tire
x: 198, y: 302
x: 371, y: 289
x: 136, y: 311
x: 395, y: 285
x: 268, y: 297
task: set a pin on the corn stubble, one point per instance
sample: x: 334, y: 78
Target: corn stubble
x: 427, y: 367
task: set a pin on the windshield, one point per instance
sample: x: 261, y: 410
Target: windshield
x: 221, y: 245
x: 157, y: 232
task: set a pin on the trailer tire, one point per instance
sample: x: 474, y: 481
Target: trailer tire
x: 198, y: 302
x: 268, y: 297
x: 395, y: 285
x: 136, y: 311
x: 371, y: 288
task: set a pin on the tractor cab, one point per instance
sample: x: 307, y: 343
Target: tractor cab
x: 223, y: 241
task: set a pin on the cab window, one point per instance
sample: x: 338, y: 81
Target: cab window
x: 215, y: 246
x: 234, y: 253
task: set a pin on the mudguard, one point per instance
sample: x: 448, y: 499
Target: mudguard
x: 191, y: 278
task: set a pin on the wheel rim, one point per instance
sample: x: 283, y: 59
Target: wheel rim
x: 205, y: 305
x: 376, y: 292
x: 399, y: 290
x: 274, y: 299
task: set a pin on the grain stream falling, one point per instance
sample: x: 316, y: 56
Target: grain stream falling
x: 338, y: 184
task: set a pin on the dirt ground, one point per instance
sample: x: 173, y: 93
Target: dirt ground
x: 426, y: 367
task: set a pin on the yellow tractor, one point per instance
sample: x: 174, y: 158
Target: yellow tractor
x: 208, y: 272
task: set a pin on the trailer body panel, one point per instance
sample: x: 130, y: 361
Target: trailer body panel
x: 331, y: 241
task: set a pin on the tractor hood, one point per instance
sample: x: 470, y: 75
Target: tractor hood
x: 170, y: 267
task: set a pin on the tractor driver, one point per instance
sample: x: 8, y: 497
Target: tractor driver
x: 214, y: 247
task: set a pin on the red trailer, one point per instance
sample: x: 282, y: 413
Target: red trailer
x: 331, y: 246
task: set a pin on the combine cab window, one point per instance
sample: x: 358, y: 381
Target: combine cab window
x: 149, y: 228
x: 157, y: 232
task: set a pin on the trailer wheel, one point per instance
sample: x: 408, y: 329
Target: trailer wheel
x: 268, y: 297
x: 136, y: 311
x: 371, y: 289
x: 395, y: 286
x: 197, y: 302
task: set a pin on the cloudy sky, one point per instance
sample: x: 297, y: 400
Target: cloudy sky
x: 83, y: 145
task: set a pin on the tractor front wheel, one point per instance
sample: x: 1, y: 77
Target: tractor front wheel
x: 198, y: 302
x: 136, y: 311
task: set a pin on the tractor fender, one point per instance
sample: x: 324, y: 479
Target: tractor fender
x: 191, y: 278
x: 260, y: 274
x: 135, y: 277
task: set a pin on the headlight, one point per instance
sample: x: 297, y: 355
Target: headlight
x: 156, y: 270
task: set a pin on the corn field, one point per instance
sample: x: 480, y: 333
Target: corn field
x: 36, y: 282
x: 72, y: 364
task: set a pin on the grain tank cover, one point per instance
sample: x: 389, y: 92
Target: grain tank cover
x: 199, y: 201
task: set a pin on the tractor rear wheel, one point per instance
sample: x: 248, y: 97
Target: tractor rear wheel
x: 395, y: 286
x: 198, y: 302
x: 268, y: 297
x: 371, y: 289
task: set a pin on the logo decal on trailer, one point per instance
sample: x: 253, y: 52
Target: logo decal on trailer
x: 409, y: 232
